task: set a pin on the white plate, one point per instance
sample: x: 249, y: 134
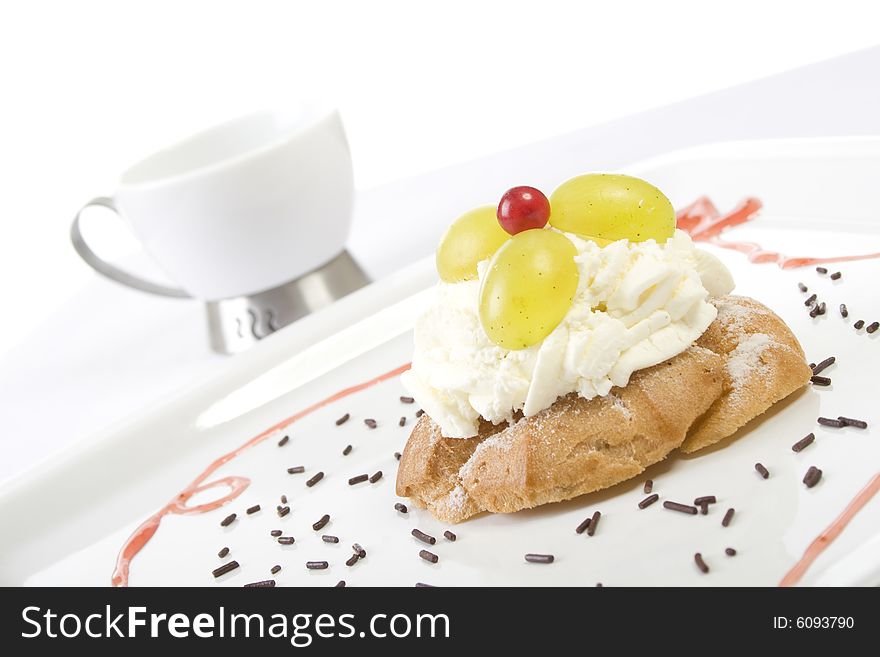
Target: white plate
x: 65, y: 521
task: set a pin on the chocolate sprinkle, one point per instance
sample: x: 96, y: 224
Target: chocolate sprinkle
x: 317, y: 565
x: 284, y: 499
x: 407, y: 400
x: 340, y: 584
x: 810, y: 300
x: 283, y: 441
x: 814, y: 311
x: 683, y: 508
x: 299, y: 469
x: 764, y: 472
x: 422, y: 585
x: 397, y: 455
x: 727, y: 517
x: 359, y: 479
x: 649, y: 486
x: 343, y: 419
x: 264, y: 584
x: 321, y: 523
x: 704, y: 508
x: 286, y: 540
x: 802, y: 287
x: 276, y: 533
x: 358, y: 550
x: 594, y: 521
x: 223, y: 552
x: 822, y: 270
x: 252, y: 510
x: 806, y: 441
x: 820, y: 380
x: 449, y: 536
x: 225, y: 568
x: 422, y: 536
x: 581, y: 528
x: 820, y: 309
x: 276, y: 569
x: 698, y: 558
x: 420, y: 413
x: 402, y: 421
x: 706, y: 499
x: 283, y: 511
x: 813, y: 476
x: 850, y: 422
x: 429, y: 556
x: 729, y: 552
x: 828, y: 362
x: 400, y: 507
x: 347, y: 450
x: 352, y: 560
x: 836, y: 276
x: 370, y: 422
x: 829, y: 422
x: 314, y: 480
x: 648, y: 501
x: 376, y: 476
x: 330, y: 539
x: 859, y: 324
x: 843, y: 310
x: 539, y: 558
x: 228, y: 520
x: 873, y: 326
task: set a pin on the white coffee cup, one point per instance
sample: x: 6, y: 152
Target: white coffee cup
x: 240, y: 208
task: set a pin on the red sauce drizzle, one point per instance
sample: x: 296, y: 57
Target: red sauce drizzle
x: 702, y: 220
x: 831, y: 532
x: 236, y: 485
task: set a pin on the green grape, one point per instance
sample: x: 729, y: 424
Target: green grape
x: 474, y: 236
x: 612, y: 207
x: 529, y: 288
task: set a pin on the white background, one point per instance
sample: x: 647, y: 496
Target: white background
x: 91, y: 86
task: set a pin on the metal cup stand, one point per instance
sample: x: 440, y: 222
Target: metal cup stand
x: 236, y: 324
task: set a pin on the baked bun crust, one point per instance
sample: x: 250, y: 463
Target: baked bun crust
x: 577, y: 446
x: 765, y: 364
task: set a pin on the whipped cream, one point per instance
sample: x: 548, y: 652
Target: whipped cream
x: 637, y: 304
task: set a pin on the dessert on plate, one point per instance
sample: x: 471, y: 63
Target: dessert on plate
x: 574, y: 341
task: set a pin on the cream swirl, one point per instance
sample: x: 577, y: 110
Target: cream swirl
x: 637, y: 304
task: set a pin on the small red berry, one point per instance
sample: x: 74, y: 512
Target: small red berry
x: 522, y: 208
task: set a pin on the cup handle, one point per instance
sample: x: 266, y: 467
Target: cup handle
x: 111, y: 271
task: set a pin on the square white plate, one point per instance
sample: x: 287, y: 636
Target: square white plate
x: 65, y: 521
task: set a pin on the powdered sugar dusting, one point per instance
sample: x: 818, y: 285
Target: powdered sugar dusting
x: 435, y: 435
x: 617, y: 402
x: 544, y: 423
x: 744, y: 362
x: 736, y: 318
x: 697, y: 349
x: 456, y: 499
x: 502, y: 441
